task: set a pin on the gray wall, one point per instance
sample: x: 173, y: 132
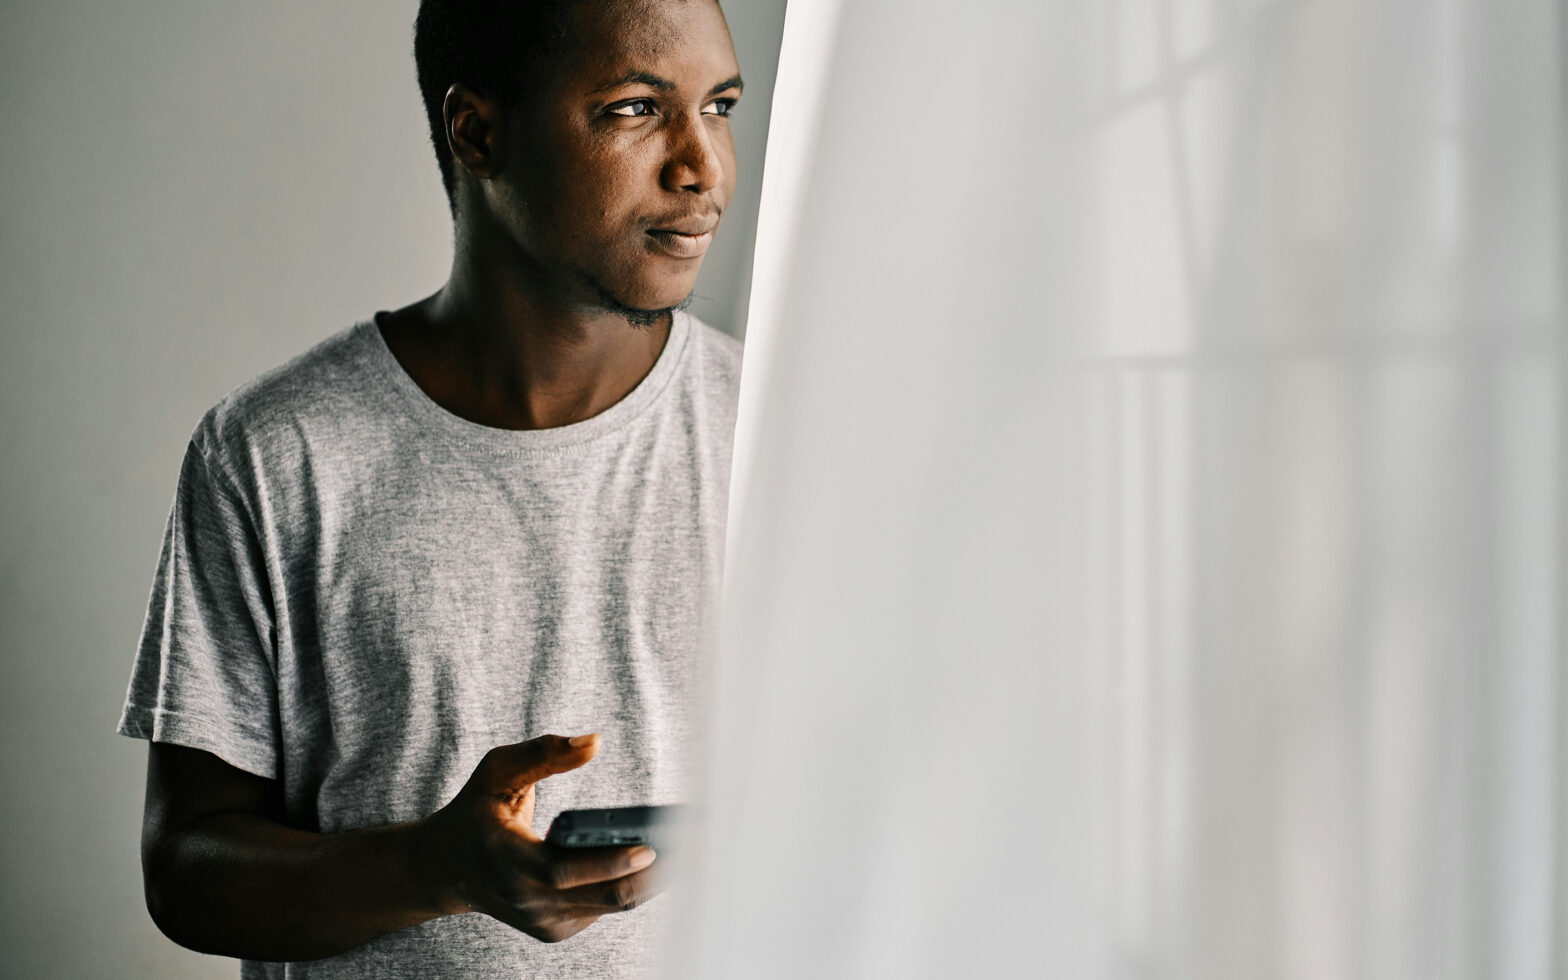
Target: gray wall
x: 189, y: 194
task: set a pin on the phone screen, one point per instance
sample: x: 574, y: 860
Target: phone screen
x: 623, y: 826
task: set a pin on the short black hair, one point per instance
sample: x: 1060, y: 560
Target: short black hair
x: 495, y: 47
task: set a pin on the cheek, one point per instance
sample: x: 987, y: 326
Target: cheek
x: 607, y: 187
x: 731, y: 174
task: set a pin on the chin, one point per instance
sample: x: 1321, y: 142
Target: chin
x: 645, y: 303
x: 651, y: 297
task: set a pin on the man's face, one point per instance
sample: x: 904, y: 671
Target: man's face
x: 628, y: 146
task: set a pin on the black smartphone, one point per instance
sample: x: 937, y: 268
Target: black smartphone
x: 618, y: 826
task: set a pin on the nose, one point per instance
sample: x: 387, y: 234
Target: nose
x: 694, y: 163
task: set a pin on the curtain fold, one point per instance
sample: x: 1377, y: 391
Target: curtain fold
x: 1148, y: 546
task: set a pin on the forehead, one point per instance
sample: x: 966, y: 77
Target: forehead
x: 610, y: 38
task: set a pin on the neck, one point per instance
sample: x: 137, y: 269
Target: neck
x: 494, y: 346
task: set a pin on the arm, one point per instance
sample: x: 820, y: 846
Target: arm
x: 225, y: 875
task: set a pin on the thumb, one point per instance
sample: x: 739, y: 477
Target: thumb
x: 513, y: 768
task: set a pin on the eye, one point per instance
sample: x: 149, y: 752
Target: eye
x: 624, y: 109
x: 722, y: 107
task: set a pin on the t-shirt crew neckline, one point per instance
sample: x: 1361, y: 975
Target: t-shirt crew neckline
x: 560, y: 439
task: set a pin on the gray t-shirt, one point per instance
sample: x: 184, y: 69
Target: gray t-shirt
x: 360, y: 593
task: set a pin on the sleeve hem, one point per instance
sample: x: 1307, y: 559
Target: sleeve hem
x: 194, y: 732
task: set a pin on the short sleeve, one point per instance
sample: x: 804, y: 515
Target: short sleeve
x: 204, y: 674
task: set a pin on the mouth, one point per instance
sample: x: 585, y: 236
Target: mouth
x: 689, y: 244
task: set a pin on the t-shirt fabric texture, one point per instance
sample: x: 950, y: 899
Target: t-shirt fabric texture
x: 360, y: 593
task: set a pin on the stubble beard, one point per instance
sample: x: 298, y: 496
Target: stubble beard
x: 638, y: 317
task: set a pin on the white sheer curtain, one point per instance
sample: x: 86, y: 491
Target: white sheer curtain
x: 1148, y: 546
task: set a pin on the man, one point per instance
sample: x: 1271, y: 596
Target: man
x: 397, y: 565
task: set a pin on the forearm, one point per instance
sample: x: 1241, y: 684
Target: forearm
x: 243, y: 885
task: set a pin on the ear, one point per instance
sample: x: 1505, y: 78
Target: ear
x: 474, y: 131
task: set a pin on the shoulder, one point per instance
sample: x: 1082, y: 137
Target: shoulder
x: 275, y: 411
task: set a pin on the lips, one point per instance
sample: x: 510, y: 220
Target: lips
x: 694, y: 227
x: 679, y: 244
x: 692, y: 223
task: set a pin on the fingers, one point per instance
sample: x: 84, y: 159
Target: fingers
x: 513, y: 768
x: 545, y: 891
x: 564, y: 869
x: 548, y: 902
x: 620, y: 895
x: 565, y: 929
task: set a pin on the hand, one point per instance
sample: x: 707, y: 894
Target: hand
x: 481, y: 854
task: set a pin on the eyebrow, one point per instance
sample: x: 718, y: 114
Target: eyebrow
x: 664, y: 85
